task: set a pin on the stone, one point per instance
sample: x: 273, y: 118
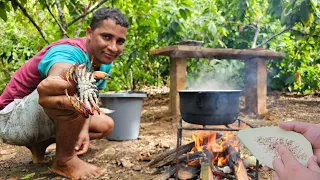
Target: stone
x: 126, y: 163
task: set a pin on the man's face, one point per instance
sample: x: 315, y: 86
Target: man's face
x: 106, y: 42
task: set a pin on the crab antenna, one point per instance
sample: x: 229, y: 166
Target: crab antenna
x: 91, y: 62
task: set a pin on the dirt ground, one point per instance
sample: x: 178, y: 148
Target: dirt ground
x: 120, y: 160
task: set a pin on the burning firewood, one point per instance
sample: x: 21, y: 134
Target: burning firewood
x: 206, y: 172
x: 168, y: 157
x: 166, y: 174
x: 206, y: 166
x: 235, y: 163
x: 188, y: 172
x: 240, y: 171
x: 204, y: 158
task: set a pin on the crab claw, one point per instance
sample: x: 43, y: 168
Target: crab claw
x: 106, y: 111
x: 101, y: 75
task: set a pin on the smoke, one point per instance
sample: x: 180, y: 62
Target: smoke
x: 216, y: 75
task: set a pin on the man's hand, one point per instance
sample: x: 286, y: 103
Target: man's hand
x: 309, y: 131
x: 83, y: 142
x: 53, y: 99
x: 287, y: 167
x: 84, y: 138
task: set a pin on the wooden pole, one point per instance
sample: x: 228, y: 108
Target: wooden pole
x: 178, y: 70
x: 256, y: 86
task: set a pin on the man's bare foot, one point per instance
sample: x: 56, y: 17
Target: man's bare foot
x: 76, y: 168
x: 38, y: 151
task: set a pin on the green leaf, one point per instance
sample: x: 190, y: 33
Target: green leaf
x: 304, y: 13
x: 311, y: 18
x: 212, y: 28
x: 188, y: 3
x: 28, y: 176
x: 183, y: 14
x: 3, y: 13
x: 287, y: 12
x: 188, y: 12
x: 206, y: 11
x: 314, y: 3
x: 290, y: 79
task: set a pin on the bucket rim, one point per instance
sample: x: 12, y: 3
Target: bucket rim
x: 123, y: 95
x: 201, y: 91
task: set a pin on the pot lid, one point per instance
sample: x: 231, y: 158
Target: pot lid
x: 198, y: 91
x: 123, y: 94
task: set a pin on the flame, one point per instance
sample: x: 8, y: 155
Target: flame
x: 197, y: 142
x: 215, y: 147
x: 242, y: 126
x: 237, y: 167
x: 212, y: 143
x: 222, y: 161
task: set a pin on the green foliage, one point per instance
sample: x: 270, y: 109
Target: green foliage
x: 299, y: 71
x: 16, y: 47
x: 240, y: 24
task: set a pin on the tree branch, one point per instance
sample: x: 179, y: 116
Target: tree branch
x: 24, y: 11
x: 63, y: 23
x: 77, y: 31
x: 256, y: 34
x: 61, y: 27
x: 74, y: 7
x: 275, y: 35
x: 86, y: 13
x: 305, y: 34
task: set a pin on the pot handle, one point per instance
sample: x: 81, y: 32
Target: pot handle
x: 198, y: 100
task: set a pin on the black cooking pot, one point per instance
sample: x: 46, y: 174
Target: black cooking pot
x: 216, y: 107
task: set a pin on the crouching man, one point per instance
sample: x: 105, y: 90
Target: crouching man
x: 35, y: 112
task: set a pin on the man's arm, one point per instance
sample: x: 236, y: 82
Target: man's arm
x: 58, y: 68
x: 83, y: 139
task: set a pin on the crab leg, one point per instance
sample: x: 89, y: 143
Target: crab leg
x: 86, y: 100
x: 79, y: 107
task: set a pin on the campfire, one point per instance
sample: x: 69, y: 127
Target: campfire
x: 208, y: 157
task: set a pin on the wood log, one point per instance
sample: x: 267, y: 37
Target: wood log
x: 206, y: 166
x: 167, y: 156
x: 241, y: 172
x: 217, y: 174
x: 166, y: 174
x: 235, y: 163
x: 188, y: 172
x: 206, y: 172
x: 233, y: 156
x: 192, y: 156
